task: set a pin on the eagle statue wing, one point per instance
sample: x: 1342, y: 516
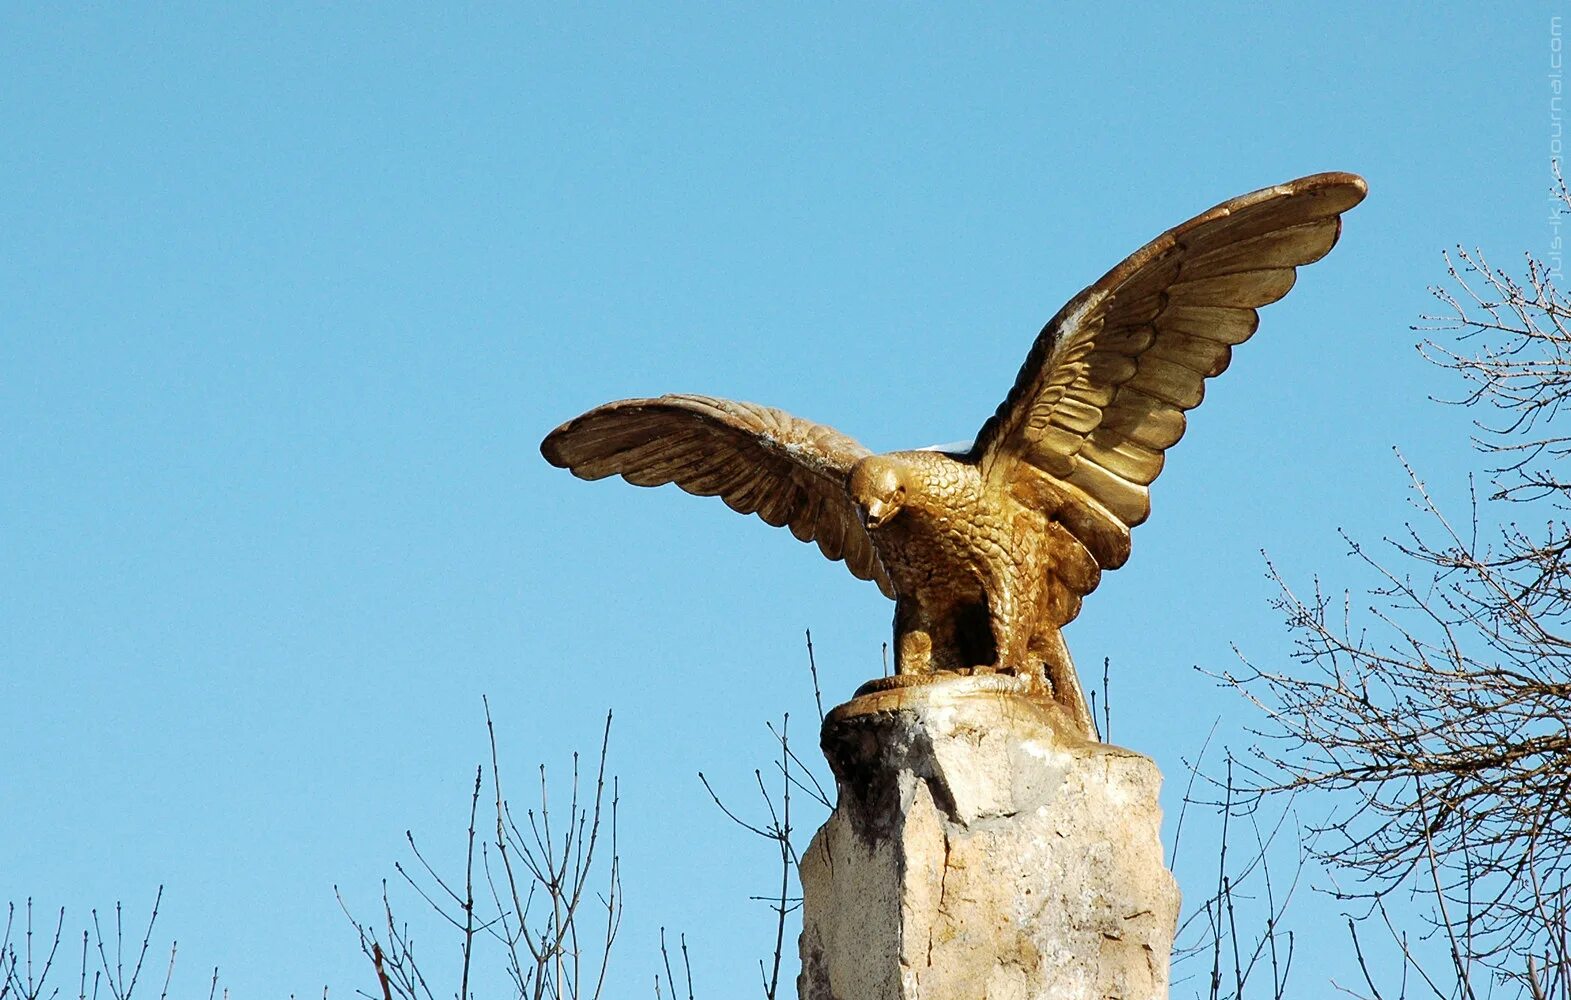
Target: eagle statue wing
x: 759, y: 460
x: 1102, y: 394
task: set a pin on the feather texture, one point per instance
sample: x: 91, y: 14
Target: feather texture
x: 1102, y: 392
x: 1021, y: 525
x: 757, y: 459
x: 1075, y: 444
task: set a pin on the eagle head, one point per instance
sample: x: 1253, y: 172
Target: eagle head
x: 878, y: 488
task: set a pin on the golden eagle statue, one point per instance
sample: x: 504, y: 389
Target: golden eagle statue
x: 988, y: 552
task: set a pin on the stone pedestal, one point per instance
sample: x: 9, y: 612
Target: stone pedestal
x: 979, y: 850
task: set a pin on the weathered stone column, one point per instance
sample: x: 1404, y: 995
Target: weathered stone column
x: 981, y: 850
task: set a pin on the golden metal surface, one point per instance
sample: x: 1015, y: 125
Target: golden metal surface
x: 988, y: 554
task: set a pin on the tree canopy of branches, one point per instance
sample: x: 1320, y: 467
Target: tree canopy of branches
x: 109, y: 966
x: 1444, y: 705
x: 525, y: 890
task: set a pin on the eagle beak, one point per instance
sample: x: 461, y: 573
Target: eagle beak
x: 876, y: 514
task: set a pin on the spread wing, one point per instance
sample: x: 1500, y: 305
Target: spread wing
x: 789, y: 472
x: 1103, y: 392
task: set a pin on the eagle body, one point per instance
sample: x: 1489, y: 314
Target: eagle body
x: 947, y: 551
x: 983, y: 582
x: 947, y: 528
x: 988, y: 553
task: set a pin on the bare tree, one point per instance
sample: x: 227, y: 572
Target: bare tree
x: 1234, y: 943
x: 1441, y: 711
x: 106, y: 967
x: 525, y: 891
x: 779, y: 830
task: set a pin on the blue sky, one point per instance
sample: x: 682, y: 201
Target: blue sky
x: 289, y: 295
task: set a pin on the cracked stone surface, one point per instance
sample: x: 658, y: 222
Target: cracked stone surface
x: 981, y: 850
